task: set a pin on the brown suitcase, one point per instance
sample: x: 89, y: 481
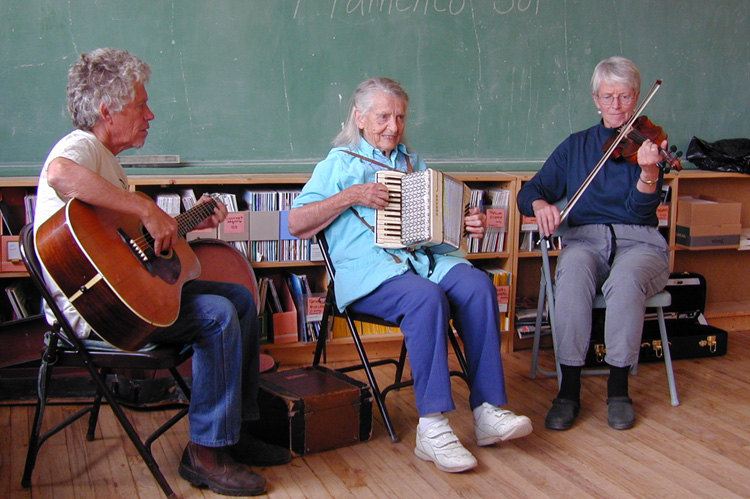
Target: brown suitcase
x: 313, y: 409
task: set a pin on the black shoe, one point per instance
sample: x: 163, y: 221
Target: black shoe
x: 620, y: 414
x: 214, y: 468
x: 253, y: 452
x: 562, y: 414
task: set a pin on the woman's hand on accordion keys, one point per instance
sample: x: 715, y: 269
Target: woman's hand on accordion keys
x: 373, y: 195
x: 475, y: 223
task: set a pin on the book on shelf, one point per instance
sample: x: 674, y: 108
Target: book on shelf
x: 494, y: 204
x: 13, y: 209
x: 501, y: 279
x: 526, y: 330
x: 297, y: 289
x: 29, y: 201
x: 662, y: 211
x: 496, y: 211
x: 526, y: 312
x: 263, y: 224
x: 24, y: 298
x: 188, y: 198
x: 169, y: 202
x: 314, y: 306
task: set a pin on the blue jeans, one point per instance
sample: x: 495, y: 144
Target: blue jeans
x: 220, y: 321
x: 422, y: 310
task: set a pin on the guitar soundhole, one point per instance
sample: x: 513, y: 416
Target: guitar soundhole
x: 167, y: 266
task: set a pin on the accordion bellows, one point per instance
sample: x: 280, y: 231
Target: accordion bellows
x: 425, y: 208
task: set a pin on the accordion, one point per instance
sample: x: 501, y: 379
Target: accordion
x: 425, y: 208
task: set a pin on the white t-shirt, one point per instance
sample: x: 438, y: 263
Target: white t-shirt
x: 86, y: 150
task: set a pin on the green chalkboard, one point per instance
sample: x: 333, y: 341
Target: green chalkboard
x: 493, y: 84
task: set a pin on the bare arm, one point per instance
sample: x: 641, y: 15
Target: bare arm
x: 308, y: 220
x: 72, y: 180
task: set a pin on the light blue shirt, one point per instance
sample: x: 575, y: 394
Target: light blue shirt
x: 360, y: 265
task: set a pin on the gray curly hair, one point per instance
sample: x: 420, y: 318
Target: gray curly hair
x: 363, y: 97
x: 103, y: 76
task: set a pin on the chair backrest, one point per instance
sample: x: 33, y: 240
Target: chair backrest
x: 34, y: 267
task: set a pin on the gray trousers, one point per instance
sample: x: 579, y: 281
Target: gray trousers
x: 639, y: 269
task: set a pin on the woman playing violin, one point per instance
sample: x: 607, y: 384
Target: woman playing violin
x: 613, y: 243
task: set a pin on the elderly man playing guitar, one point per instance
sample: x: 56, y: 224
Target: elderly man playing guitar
x: 108, y: 104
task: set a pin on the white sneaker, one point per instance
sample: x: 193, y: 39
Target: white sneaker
x: 493, y: 424
x: 440, y: 445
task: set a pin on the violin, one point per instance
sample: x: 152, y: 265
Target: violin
x: 641, y: 130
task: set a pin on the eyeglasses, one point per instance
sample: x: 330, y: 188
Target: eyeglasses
x: 609, y: 99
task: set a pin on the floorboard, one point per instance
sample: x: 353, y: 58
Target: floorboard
x: 699, y: 449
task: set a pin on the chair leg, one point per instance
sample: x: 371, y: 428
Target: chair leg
x: 667, y: 357
x: 464, y: 374
x: 320, y: 345
x: 177, y: 417
x: 95, y: 407
x: 379, y: 399
x: 45, y: 372
x: 148, y: 458
x: 401, y: 363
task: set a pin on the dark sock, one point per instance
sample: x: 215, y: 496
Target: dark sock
x: 617, y: 384
x: 570, y: 385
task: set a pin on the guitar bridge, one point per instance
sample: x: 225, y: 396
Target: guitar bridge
x: 137, y: 251
x: 166, y: 267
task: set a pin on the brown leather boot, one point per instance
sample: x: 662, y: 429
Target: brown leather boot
x: 213, y: 467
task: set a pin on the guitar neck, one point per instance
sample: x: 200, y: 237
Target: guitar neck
x: 195, y: 215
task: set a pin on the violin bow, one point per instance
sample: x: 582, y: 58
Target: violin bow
x: 624, y: 130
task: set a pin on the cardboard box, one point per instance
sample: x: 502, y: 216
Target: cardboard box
x: 10, y: 255
x: 705, y: 210
x: 708, y: 222
x: 234, y: 227
x: 708, y: 236
x: 263, y: 225
x: 284, y: 323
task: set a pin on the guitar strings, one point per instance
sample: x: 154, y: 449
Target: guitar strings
x: 185, y: 221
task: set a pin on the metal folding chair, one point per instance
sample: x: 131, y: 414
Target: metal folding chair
x: 547, y: 299
x: 64, y: 349
x: 331, y: 311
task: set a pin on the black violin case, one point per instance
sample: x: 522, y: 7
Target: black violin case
x: 689, y: 334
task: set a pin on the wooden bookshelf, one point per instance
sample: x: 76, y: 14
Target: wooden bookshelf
x: 728, y: 303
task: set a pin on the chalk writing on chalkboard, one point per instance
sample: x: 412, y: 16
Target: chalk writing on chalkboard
x: 340, y: 8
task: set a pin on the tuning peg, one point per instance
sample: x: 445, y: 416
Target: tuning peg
x: 673, y: 148
x: 679, y: 154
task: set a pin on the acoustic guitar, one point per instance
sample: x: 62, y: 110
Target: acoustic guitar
x: 104, y: 263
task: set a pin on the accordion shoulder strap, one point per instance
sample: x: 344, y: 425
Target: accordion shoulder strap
x: 408, y: 162
x: 361, y: 219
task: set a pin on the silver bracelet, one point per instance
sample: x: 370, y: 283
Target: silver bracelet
x: 648, y: 182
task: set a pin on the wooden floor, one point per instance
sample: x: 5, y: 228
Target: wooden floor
x: 699, y: 449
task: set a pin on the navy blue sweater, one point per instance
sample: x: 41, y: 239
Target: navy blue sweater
x: 611, y: 197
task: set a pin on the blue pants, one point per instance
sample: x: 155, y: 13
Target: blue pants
x: 220, y: 321
x: 640, y: 269
x: 422, y: 310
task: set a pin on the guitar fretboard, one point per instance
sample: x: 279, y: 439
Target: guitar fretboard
x: 195, y: 215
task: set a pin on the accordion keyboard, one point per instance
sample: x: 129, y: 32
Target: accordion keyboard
x: 388, y: 219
